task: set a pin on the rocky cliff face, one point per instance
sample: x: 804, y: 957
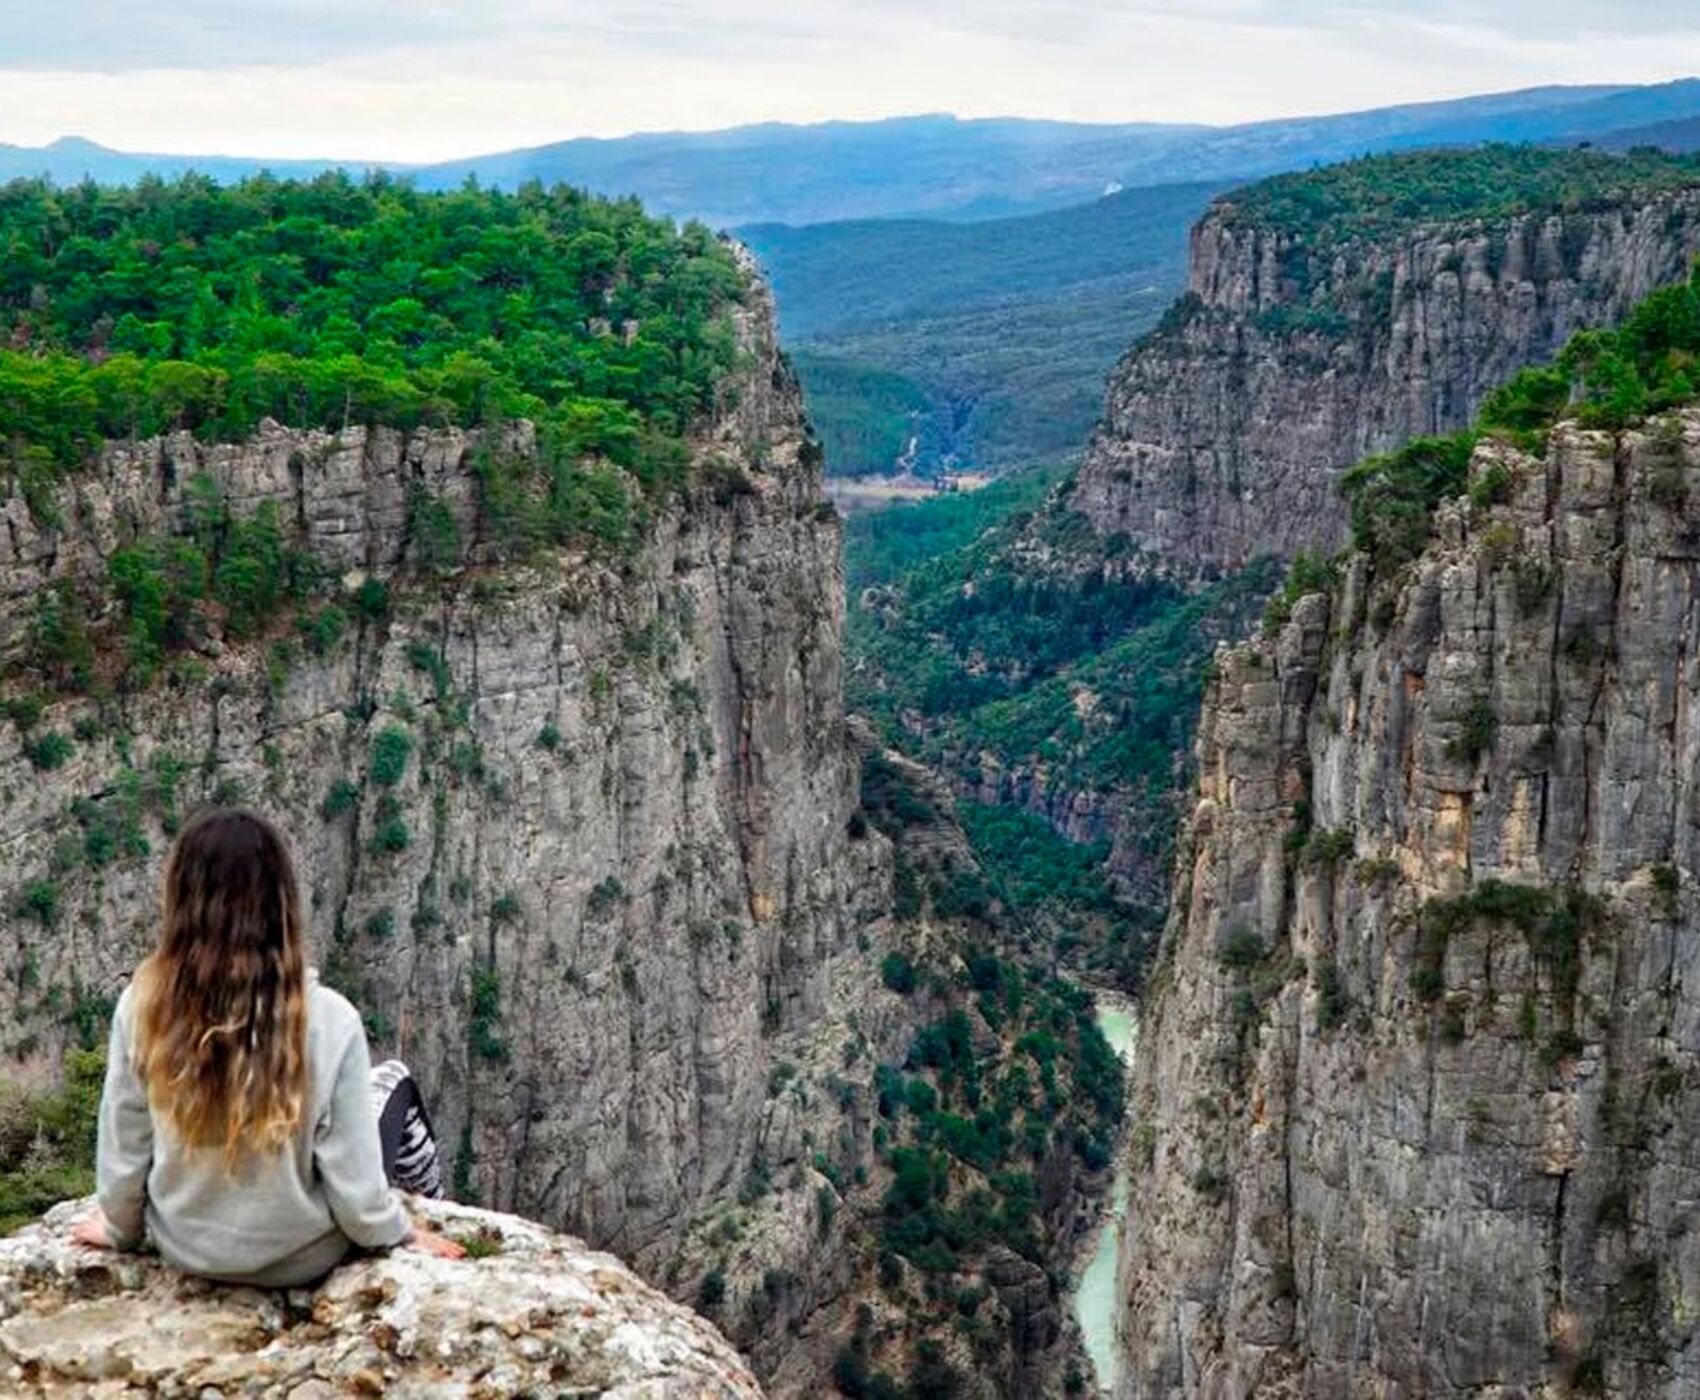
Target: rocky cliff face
x: 611, y: 883
x: 613, y: 872
x: 1290, y: 359
x: 532, y: 1313
x: 1418, y: 1111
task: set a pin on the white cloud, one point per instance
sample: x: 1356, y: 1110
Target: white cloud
x: 401, y: 80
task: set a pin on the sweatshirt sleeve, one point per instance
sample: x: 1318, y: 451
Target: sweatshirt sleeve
x: 350, y: 1161
x: 124, y: 1151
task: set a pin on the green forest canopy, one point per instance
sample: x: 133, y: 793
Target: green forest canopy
x: 1378, y: 195
x: 186, y: 305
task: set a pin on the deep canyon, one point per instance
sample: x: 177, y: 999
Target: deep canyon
x: 1388, y: 1087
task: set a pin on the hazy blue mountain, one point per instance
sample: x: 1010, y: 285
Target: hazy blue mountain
x: 935, y: 165
x: 1532, y: 114
x: 72, y: 159
x: 942, y: 167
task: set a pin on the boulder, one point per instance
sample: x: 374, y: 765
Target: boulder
x: 529, y: 1312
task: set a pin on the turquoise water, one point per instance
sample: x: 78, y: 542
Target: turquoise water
x: 1095, y: 1295
x: 1116, y: 1020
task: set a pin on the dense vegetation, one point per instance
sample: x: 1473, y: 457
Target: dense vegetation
x: 999, y: 625
x: 1602, y: 379
x: 882, y: 547
x: 1377, y: 196
x: 987, y: 629
x: 190, y: 306
x: 979, y: 623
x: 47, y: 1140
x: 1144, y: 691
x: 1059, y: 883
x: 1007, y: 1076
x: 868, y: 418
x: 1611, y: 378
x: 186, y: 305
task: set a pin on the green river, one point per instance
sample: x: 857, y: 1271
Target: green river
x: 1095, y: 1295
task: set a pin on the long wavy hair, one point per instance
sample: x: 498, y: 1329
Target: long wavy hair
x: 221, y: 1035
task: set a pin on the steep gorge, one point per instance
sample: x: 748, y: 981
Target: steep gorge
x: 1417, y: 1112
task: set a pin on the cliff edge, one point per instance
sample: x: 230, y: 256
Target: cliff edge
x: 537, y: 1313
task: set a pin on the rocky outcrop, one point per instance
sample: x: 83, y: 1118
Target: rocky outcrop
x: 1418, y: 1111
x: 1290, y: 358
x: 532, y: 1313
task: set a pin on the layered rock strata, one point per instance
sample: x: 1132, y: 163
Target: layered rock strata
x: 1419, y: 1109
x: 1290, y: 358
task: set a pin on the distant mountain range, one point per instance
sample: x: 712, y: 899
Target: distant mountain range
x: 955, y: 290
x: 71, y: 159
x: 943, y: 167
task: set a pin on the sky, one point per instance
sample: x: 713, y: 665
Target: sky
x: 420, y: 80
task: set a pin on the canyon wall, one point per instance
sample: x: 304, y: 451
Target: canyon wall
x: 614, y: 867
x: 1418, y: 1112
x: 1293, y: 356
x: 611, y: 885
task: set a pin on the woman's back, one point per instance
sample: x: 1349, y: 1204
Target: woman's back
x: 237, y: 1123
x: 276, y: 1218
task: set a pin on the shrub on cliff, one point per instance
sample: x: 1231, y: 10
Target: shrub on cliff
x: 1393, y: 495
x: 47, y: 1140
x: 1604, y: 379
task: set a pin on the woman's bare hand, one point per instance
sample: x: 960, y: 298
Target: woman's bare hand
x: 430, y: 1242
x: 91, y: 1230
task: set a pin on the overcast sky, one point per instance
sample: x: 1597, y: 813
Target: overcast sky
x: 427, y: 79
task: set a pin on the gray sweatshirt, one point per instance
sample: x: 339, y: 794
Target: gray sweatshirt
x: 278, y: 1220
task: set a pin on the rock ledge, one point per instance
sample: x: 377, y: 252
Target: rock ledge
x: 543, y: 1316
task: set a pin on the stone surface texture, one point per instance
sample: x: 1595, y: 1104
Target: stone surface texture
x: 1370, y: 1161
x: 1224, y: 431
x: 537, y: 1314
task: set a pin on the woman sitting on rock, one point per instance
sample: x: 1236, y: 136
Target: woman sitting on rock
x: 242, y: 1123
